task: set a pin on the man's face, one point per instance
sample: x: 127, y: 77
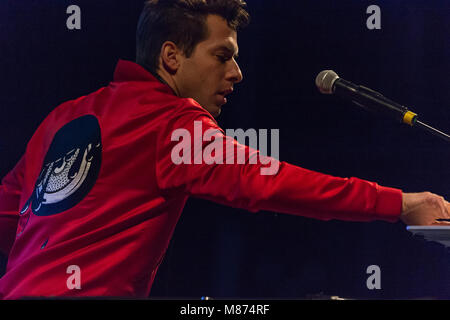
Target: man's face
x: 209, y: 74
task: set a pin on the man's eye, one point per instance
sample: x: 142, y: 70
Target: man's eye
x: 222, y: 58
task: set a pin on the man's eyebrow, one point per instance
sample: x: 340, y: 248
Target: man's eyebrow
x: 228, y: 50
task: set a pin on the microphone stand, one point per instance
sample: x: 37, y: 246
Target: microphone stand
x: 376, y: 102
x: 432, y: 130
x: 408, y: 117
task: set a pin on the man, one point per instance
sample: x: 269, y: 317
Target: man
x: 90, y: 208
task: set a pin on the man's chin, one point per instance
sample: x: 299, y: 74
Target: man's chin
x: 217, y: 113
x: 214, y: 111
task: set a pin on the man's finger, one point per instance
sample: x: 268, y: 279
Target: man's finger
x: 444, y: 207
x: 447, y: 208
x: 441, y: 223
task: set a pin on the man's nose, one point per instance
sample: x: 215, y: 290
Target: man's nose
x: 235, y: 74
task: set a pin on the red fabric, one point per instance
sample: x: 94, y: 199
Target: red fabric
x: 119, y: 232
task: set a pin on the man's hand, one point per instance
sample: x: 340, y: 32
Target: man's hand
x: 424, y: 208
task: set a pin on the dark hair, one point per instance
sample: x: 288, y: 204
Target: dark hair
x: 182, y: 22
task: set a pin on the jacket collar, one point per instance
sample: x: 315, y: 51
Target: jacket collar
x: 131, y: 71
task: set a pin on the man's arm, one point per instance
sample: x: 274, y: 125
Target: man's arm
x: 10, y: 192
x: 292, y: 190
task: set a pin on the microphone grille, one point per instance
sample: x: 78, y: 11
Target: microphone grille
x: 325, y: 81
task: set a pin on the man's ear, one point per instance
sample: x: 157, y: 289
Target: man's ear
x: 170, y: 57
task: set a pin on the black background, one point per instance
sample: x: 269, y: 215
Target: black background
x: 223, y: 252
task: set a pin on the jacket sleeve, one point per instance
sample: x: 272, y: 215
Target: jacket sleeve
x: 10, y: 193
x: 292, y: 190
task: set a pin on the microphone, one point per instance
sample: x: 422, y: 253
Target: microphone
x: 328, y: 82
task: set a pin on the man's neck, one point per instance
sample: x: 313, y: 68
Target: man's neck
x: 162, y: 78
x: 168, y: 80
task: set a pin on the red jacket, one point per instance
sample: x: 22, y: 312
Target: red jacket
x: 97, y: 188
